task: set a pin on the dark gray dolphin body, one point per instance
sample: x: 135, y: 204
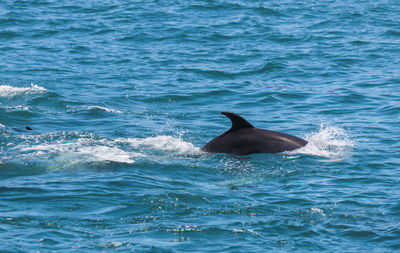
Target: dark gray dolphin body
x: 243, y: 139
x: 21, y: 130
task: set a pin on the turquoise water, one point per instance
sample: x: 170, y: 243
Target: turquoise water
x: 121, y: 95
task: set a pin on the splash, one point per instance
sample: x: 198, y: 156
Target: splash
x: 10, y: 91
x: 329, y: 142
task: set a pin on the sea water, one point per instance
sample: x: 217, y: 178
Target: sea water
x: 121, y: 96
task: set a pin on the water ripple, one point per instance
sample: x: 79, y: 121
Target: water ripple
x: 121, y: 95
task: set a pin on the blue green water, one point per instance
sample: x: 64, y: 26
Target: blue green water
x: 121, y: 95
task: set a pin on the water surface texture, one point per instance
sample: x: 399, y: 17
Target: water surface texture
x: 121, y: 96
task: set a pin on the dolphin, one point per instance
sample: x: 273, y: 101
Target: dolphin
x: 22, y: 130
x: 243, y: 139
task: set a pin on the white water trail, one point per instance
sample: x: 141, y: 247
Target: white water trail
x: 11, y: 91
x: 84, y: 147
x: 162, y: 143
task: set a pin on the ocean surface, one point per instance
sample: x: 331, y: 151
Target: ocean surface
x: 121, y: 95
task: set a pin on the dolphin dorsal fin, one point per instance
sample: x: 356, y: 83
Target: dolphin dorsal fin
x: 237, y: 121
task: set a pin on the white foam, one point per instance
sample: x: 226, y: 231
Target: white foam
x: 16, y: 108
x: 85, y: 149
x: 329, y: 142
x: 10, y: 91
x: 104, y: 109
x: 162, y: 143
x: 2, y: 126
x: 103, y: 153
x: 317, y: 210
x: 79, y: 147
x: 92, y: 107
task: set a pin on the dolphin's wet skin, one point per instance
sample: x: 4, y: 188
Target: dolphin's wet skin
x: 27, y: 128
x: 243, y: 139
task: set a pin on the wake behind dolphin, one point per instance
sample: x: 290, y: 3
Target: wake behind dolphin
x: 243, y: 139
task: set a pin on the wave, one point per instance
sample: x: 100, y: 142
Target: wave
x: 94, y: 109
x: 11, y: 91
x: 16, y: 108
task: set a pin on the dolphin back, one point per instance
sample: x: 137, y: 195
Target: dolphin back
x: 243, y: 138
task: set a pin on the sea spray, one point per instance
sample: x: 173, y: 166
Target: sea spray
x: 329, y: 142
